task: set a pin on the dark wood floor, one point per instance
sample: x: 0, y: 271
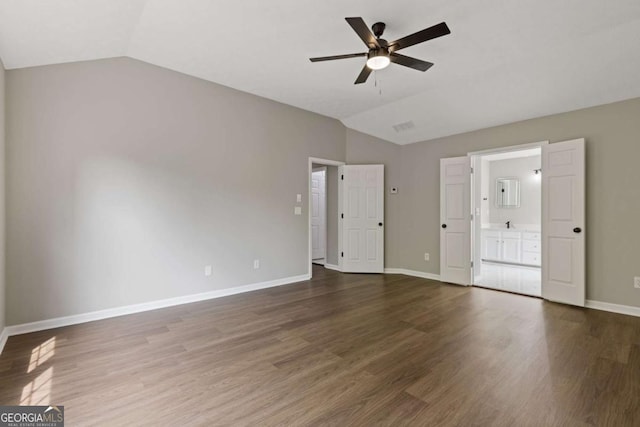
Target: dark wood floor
x: 338, y: 350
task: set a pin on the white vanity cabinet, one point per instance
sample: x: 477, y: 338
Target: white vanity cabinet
x: 491, y: 246
x: 511, y: 247
x: 531, y: 248
x: 514, y: 247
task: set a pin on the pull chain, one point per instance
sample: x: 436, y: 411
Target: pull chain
x: 375, y: 79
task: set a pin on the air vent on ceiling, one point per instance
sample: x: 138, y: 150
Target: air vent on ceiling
x: 403, y: 127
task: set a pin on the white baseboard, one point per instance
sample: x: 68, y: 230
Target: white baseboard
x: 413, y: 273
x: 332, y: 267
x: 4, y: 335
x: 42, y: 325
x: 613, y: 308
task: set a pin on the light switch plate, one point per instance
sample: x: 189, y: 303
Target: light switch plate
x: 297, y: 210
x: 207, y: 270
x: 298, y: 198
x: 636, y: 282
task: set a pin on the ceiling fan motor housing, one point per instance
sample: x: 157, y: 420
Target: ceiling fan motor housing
x: 378, y: 51
x: 378, y: 29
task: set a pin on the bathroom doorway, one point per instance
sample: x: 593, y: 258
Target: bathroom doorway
x: 507, y: 219
x: 472, y: 242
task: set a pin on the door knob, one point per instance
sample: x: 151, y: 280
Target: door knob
x: 577, y: 230
x: 444, y: 225
x: 380, y: 224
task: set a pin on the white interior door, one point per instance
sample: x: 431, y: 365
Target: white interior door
x: 455, y: 220
x: 563, y: 222
x: 362, y: 218
x: 318, y: 214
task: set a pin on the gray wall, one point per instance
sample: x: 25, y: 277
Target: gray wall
x: 2, y: 198
x: 124, y: 180
x: 366, y: 149
x: 612, y: 135
x: 530, y: 210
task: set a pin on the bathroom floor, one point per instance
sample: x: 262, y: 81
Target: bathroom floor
x: 511, y: 278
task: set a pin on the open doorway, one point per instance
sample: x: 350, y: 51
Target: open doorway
x: 323, y: 181
x: 354, y: 208
x: 506, y: 231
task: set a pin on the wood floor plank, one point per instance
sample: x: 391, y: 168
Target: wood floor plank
x: 340, y: 349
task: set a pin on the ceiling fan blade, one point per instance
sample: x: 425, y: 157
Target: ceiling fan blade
x: 364, y: 75
x: 363, y: 31
x: 331, y: 58
x: 410, y: 62
x: 436, y: 31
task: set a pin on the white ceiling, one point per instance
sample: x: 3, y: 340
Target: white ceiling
x: 504, y: 61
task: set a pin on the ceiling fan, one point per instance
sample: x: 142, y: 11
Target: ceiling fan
x: 381, y: 53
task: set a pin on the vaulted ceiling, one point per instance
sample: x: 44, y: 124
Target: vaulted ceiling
x: 504, y: 61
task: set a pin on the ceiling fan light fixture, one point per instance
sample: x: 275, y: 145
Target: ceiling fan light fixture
x: 377, y: 59
x: 380, y: 53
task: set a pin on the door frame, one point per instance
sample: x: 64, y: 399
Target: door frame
x: 476, y: 229
x: 320, y: 162
x: 322, y: 168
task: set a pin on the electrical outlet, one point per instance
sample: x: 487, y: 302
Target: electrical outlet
x: 256, y: 264
x: 426, y: 256
x: 636, y: 282
x: 207, y: 270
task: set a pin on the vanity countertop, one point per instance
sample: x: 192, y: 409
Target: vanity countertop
x: 524, y: 230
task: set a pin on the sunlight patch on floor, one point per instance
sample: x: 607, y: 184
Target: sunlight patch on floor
x: 38, y: 391
x: 41, y: 354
